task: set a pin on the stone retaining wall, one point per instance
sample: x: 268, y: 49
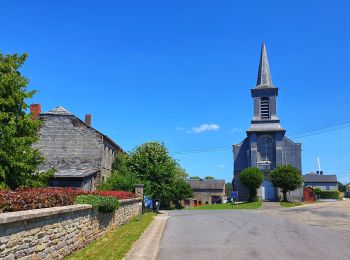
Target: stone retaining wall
x: 53, y: 233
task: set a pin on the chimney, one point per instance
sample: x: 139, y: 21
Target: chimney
x: 35, y: 110
x: 88, y: 119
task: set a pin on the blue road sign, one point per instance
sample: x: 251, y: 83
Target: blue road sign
x: 234, y: 194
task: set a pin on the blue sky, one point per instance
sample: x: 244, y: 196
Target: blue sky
x: 159, y: 70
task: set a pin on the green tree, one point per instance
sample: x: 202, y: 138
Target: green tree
x: 181, y: 190
x: 287, y: 178
x: 122, y: 178
x: 156, y: 169
x: 18, y: 159
x: 195, y: 177
x: 252, y: 178
x: 209, y: 178
x: 341, y: 187
x: 228, y: 189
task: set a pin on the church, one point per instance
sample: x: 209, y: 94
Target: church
x: 266, y: 145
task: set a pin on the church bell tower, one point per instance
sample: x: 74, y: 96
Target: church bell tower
x: 265, y: 146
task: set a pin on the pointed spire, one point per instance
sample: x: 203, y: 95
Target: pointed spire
x: 264, y: 75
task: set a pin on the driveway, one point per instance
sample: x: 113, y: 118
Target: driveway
x: 312, y: 232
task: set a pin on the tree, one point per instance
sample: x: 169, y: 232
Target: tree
x: 228, y: 189
x: 195, y: 177
x: 341, y: 187
x: 18, y: 132
x: 122, y: 178
x: 287, y: 178
x: 156, y: 169
x: 209, y: 178
x: 182, y: 190
x: 252, y: 178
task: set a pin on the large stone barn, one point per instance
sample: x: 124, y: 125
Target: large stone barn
x: 266, y: 145
x: 81, y: 155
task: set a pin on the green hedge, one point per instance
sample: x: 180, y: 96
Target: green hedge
x: 104, y: 204
x: 334, y: 194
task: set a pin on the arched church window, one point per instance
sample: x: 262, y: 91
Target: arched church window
x: 264, y: 108
x: 265, y: 148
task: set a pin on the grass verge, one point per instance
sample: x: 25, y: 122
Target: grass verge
x: 116, y: 243
x: 290, y: 204
x: 244, y: 205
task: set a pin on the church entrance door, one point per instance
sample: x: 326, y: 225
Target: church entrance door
x: 268, y: 191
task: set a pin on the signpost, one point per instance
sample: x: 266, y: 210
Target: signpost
x: 234, y: 197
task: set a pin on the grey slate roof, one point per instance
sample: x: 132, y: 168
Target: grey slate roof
x: 313, y: 177
x: 74, y: 173
x: 206, y: 184
x: 64, y: 112
x: 59, y: 111
x: 264, y: 76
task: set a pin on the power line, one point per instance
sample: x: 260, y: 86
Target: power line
x: 299, y: 135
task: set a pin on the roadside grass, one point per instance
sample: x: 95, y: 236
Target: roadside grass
x: 115, y: 243
x: 244, y: 205
x: 288, y: 204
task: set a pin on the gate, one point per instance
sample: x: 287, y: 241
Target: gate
x: 309, y: 195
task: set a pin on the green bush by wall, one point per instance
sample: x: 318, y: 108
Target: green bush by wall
x: 104, y: 204
x: 328, y: 194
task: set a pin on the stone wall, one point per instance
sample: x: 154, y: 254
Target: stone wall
x: 53, y: 233
x: 67, y: 143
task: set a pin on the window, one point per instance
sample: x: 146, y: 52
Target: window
x: 264, y: 108
x: 265, y: 148
x: 327, y: 188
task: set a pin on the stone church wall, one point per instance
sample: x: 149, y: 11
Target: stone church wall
x: 291, y: 153
x: 53, y: 233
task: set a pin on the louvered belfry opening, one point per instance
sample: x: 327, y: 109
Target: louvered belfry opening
x: 265, y: 108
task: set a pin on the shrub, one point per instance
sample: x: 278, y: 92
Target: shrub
x: 104, y: 204
x: 334, y: 194
x: 117, y: 194
x: 26, y: 199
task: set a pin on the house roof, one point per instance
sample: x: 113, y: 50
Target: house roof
x: 313, y: 177
x: 206, y: 184
x: 61, y: 111
x: 74, y: 173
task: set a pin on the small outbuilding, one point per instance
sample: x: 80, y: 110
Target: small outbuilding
x: 205, y: 191
x: 327, y: 182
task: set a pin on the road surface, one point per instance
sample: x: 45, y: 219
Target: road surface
x: 313, y: 232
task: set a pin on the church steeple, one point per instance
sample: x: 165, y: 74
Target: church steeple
x: 264, y: 75
x: 264, y: 95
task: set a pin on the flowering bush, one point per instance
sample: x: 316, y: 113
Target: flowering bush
x: 118, y: 194
x: 26, y: 199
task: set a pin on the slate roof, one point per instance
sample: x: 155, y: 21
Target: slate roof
x: 264, y: 76
x: 64, y: 112
x: 206, y: 184
x: 59, y: 111
x: 313, y: 177
x: 74, y: 173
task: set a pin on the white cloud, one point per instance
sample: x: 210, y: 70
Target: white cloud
x: 203, y: 128
x: 220, y: 166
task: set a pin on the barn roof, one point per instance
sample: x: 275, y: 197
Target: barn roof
x: 313, y: 177
x: 206, y: 184
x: 80, y: 173
x: 61, y: 111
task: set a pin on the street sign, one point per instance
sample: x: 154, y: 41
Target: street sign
x: 234, y: 194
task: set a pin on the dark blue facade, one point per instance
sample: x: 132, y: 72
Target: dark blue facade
x: 266, y: 145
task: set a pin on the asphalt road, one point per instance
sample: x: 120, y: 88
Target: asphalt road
x: 313, y: 232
